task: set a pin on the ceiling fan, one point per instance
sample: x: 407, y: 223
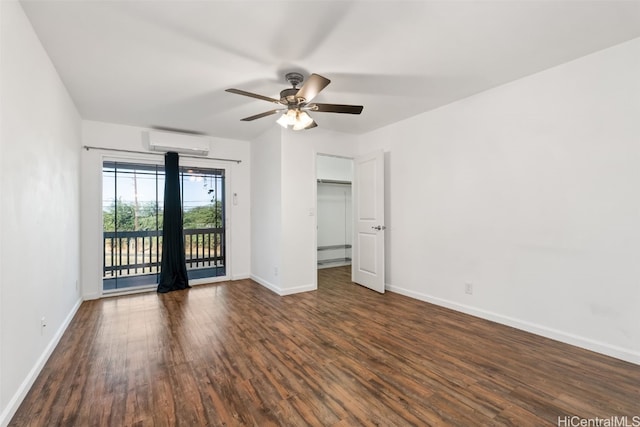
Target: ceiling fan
x: 296, y: 103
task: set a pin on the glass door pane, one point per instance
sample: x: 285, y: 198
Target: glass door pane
x: 132, y: 219
x: 132, y: 208
x: 203, y: 222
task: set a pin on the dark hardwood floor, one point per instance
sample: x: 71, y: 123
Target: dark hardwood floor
x: 237, y: 354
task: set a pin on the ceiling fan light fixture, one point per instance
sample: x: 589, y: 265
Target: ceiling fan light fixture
x: 295, y: 119
x: 287, y: 119
x: 297, y: 102
x: 302, y: 120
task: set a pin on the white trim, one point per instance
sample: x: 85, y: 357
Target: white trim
x: 283, y: 292
x: 92, y: 296
x: 273, y: 288
x: 298, y: 289
x: 554, y: 334
x: 31, y: 377
x: 317, y: 153
x: 135, y: 157
x: 241, y: 276
x: 314, y: 223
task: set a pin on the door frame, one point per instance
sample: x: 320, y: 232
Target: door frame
x: 228, y: 200
x: 315, y: 206
x: 152, y: 159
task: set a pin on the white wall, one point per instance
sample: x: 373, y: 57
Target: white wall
x: 266, y: 210
x: 334, y: 214
x: 283, y: 205
x: 39, y: 193
x: 529, y: 191
x: 116, y: 136
x: 298, y: 215
x: 334, y: 168
x: 299, y: 196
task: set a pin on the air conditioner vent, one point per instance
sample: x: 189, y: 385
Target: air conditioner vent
x: 164, y: 142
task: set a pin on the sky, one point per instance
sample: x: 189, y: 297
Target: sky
x: 196, y: 187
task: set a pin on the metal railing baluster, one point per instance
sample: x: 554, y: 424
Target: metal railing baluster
x: 124, y: 251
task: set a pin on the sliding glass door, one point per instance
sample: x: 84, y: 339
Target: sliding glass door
x: 203, y: 221
x: 132, y: 223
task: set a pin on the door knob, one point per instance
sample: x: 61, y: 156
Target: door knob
x: 379, y: 227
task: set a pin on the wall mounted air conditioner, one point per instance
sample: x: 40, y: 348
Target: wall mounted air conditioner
x: 164, y: 142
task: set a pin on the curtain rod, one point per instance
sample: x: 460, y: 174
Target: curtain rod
x: 120, y: 150
x: 333, y: 181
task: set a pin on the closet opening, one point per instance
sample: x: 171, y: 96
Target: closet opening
x: 334, y: 210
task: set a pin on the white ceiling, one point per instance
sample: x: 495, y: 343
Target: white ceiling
x: 167, y: 63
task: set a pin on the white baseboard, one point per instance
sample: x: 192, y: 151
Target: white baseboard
x: 24, y: 388
x: 625, y: 354
x: 241, y: 276
x: 298, y: 289
x: 280, y: 291
x: 273, y: 288
x: 92, y: 296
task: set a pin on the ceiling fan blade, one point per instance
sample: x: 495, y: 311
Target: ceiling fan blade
x: 337, y: 108
x: 314, y: 84
x: 252, y: 95
x: 259, y: 116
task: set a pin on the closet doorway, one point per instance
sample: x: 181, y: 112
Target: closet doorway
x: 335, y: 224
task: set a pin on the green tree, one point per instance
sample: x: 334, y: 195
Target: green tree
x: 122, y: 212
x: 150, y: 216
x: 147, y: 213
x: 209, y: 216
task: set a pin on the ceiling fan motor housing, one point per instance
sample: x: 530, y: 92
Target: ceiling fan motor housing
x: 298, y: 101
x: 294, y: 78
x: 288, y: 96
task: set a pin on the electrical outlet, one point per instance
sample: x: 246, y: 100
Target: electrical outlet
x: 275, y: 271
x: 468, y: 288
x: 43, y: 324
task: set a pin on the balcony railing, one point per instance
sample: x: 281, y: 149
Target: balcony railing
x: 140, y: 252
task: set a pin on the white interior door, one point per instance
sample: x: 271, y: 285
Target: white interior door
x: 368, y: 204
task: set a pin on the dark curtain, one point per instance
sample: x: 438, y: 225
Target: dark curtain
x: 173, y: 273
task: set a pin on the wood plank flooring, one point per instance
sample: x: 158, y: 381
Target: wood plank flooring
x: 236, y: 354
